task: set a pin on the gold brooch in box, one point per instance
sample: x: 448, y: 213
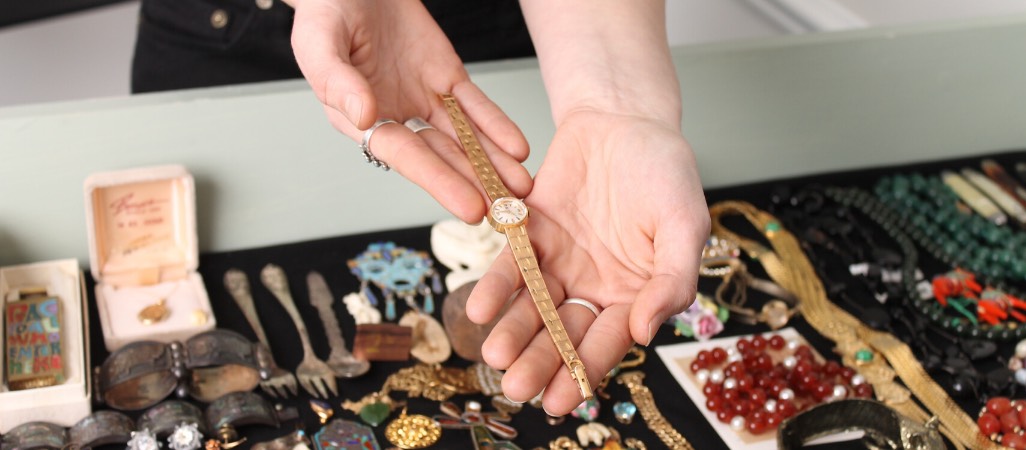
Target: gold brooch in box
x: 35, y: 343
x: 143, y: 254
x: 44, y: 351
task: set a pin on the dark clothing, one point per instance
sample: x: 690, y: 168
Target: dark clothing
x: 196, y: 43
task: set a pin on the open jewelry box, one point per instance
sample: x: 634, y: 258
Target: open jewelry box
x: 143, y: 254
x: 69, y: 400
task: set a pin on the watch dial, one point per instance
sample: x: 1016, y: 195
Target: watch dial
x: 509, y: 211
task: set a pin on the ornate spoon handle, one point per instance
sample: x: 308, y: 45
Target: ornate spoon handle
x: 274, y: 278
x: 320, y: 298
x: 237, y: 284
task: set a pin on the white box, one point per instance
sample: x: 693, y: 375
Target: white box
x: 70, y: 401
x: 143, y: 251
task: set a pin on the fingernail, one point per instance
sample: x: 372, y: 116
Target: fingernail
x: 512, y: 401
x: 353, y: 109
x: 653, y: 327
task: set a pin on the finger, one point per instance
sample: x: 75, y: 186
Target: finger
x: 603, y: 347
x: 450, y: 151
x: 495, y: 124
x: 494, y: 288
x: 321, y: 40
x: 515, y: 330
x: 540, y: 363
x: 513, y: 174
x: 411, y: 156
x: 678, y: 250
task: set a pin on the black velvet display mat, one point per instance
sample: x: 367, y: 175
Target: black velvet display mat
x: 329, y: 256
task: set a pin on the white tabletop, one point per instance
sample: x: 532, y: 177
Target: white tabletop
x: 270, y: 169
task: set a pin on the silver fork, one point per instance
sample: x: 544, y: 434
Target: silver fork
x: 342, y: 363
x: 281, y: 382
x: 314, y: 374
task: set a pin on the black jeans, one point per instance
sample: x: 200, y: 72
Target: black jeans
x: 196, y: 43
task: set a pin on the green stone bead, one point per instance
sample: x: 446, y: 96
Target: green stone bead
x: 949, y: 247
x: 864, y: 355
x: 964, y: 238
x: 375, y: 413
x: 993, y: 235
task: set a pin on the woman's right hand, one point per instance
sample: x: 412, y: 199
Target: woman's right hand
x: 368, y: 60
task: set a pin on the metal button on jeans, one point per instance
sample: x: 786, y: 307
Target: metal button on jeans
x: 264, y: 4
x: 219, y: 19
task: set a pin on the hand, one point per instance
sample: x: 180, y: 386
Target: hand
x: 617, y: 217
x: 368, y: 60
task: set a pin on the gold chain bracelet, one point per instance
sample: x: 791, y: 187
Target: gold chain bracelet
x: 787, y: 264
x: 642, y: 398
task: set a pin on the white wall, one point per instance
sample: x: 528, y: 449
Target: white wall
x: 80, y: 55
x: 893, y: 12
x: 88, y: 54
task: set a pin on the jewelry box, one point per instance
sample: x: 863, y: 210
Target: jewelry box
x: 58, y: 349
x: 143, y: 254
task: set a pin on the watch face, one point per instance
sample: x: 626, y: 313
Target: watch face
x: 508, y: 211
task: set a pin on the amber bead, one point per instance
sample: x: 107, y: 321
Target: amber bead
x: 823, y: 390
x: 711, y: 389
x: 704, y: 357
x: 999, y: 405
x: 786, y: 408
x: 745, y: 383
x: 755, y: 427
x: 743, y: 344
x: 730, y: 395
x: 989, y: 424
x: 777, y: 342
x: 758, y: 397
x: 759, y: 342
x: 1009, y: 421
x: 831, y: 368
x: 714, y: 403
x: 734, y: 369
x: 864, y: 390
x: 1013, y: 440
x: 718, y: 355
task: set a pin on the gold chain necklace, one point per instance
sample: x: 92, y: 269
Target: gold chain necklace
x: 858, y: 345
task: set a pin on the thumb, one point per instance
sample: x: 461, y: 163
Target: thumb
x: 663, y: 296
x: 322, y: 41
x: 673, y: 287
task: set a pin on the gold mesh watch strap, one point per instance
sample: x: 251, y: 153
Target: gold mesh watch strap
x: 528, y: 263
x: 482, y: 165
x: 523, y: 252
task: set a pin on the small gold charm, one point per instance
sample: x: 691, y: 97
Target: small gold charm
x: 154, y: 313
x: 323, y: 410
x: 199, y: 317
x: 413, y: 431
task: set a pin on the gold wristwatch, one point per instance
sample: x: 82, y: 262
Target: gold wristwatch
x: 508, y: 215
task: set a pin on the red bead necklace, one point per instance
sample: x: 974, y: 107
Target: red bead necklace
x: 759, y: 382
x: 1003, y: 421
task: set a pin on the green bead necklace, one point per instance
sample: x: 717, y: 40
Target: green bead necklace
x: 929, y: 214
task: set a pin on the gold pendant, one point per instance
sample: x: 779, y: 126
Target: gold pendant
x: 154, y: 313
x: 413, y: 431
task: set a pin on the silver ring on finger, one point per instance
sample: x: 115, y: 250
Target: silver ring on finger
x: 582, y: 302
x: 416, y: 124
x: 365, y: 145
